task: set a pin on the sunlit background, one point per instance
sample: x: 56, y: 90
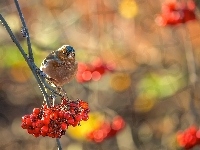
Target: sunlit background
x: 132, y: 72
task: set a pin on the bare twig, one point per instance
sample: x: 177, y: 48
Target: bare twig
x: 58, y: 144
x: 25, y: 29
x: 30, y: 64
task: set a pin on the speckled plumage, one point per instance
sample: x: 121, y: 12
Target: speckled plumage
x: 60, y: 66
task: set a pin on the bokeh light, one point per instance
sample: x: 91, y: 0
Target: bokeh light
x: 128, y: 8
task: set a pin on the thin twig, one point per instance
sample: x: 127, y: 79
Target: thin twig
x: 58, y: 144
x: 41, y: 86
x: 26, y: 30
x: 49, y: 88
x: 12, y: 36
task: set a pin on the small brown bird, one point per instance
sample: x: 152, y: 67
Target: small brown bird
x: 60, y: 66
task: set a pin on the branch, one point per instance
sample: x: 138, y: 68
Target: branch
x: 30, y: 64
x: 58, y: 144
x: 25, y: 29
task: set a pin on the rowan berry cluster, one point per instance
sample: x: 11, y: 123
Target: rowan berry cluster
x: 174, y: 12
x: 189, y: 138
x: 107, y: 129
x: 94, y: 71
x: 54, y: 120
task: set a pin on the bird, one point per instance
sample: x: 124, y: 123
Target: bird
x: 60, y: 66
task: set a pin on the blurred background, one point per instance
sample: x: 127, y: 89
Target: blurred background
x: 133, y: 73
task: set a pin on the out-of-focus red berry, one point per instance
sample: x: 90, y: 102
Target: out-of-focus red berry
x: 107, y: 129
x: 93, y: 71
x: 96, y: 76
x: 117, y: 123
x: 87, y: 75
x: 188, y: 138
x: 174, y: 12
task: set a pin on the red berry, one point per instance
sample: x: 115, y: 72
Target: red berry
x: 63, y: 126
x: 67, y: 115
x: 100, y: 69
x: 75, y: 123
x: 47, y: 112
x: 72, y: 111
x: 53, y: 121
x: 78, y: 117
x: 54, y: 116
x: 82, y: 67
x: 188, y: 138
x: 24, y: 126
x: 33, y: 117
x: 85, y: 117
x: 79, y: 78
x: 98, y: 136
x: 117, y: 123
x: 44, y: 129
x: 30, y: 131
x: 36, y: 111
x: 43, y: 133
x: 192, y: 130
x: 24, y: 118
x: 37, y: 131
x: 33, y: 124
x: 51, y: 135
x: 39, y: 123
x: 36, y: 135
x: 70, y: 120
x: 73, y: 105
x: 46, y: 120
x: 61, y: 114
x: 177, y: 12
x: 96, y: 76
x: 87, y: 75
x: 45, y: 106
x: 28, y: 122
x: 83, y: 104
